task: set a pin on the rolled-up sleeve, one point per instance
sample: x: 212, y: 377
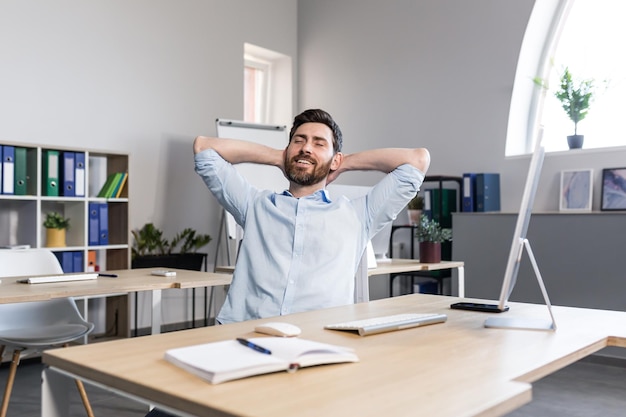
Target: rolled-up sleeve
x: 228, y: 186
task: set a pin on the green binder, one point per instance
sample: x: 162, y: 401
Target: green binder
x: 21, y: 171
x: 50, y: 180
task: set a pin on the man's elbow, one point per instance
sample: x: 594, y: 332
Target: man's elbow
x: 202, y: 143
x: 420, y: 159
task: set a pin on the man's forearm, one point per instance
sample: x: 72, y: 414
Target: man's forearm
x: 386, y: 160
x: 239, y: 151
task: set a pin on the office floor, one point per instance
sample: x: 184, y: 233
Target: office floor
x: 26, y: 396
x: 584, y: 389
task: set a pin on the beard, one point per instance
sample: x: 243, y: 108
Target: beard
x: 304, y: 176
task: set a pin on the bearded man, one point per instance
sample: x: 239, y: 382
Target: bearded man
x: 301, y: 247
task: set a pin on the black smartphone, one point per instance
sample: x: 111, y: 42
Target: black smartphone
x: 489, y: 308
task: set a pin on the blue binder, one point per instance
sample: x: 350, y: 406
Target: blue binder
x: 67, y: 174
x: 0, y: 169
x: 8, y: 169
x: 77, y: 261
x: 469, y: 192
x: 103, y: 221
x: 94, y: 224
x: 79, y: 174
x: 66, y: 259
x: 487, y: 192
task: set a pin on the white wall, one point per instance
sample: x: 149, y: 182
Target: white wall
x: 428, y: 73
x: 137, y: 76
x: 146, y: 76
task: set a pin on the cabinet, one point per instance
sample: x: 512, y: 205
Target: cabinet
x: 439, y: 205
x: 22, y: 216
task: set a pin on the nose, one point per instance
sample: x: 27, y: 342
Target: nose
x: 306, y: 147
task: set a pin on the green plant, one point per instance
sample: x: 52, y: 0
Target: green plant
x: 431, y: 231
x: 190, y: 241
x: 416, y: 203
x: 575, y: 97
x: 56, y: 220
x: 149, y: 240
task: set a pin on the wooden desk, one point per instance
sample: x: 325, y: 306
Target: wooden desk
x: 454, y: 369
x: 396, y: 266
x: 127, y: 281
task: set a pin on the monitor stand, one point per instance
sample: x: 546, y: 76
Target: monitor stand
x: 526, y: 323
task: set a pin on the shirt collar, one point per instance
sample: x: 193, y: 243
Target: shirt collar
x: 320, y: 195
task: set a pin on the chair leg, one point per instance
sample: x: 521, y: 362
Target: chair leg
x: 83, y: 394
x: 11, y: 378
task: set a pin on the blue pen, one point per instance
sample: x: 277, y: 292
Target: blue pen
x: 254, y: 346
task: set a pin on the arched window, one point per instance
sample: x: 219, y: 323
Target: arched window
x: 585, y: 36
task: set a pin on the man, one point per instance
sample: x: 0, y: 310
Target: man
x: 301, y: 248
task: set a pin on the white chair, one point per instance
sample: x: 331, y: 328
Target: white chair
x: 37, y: 325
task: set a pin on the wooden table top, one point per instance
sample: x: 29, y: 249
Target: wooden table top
x: 397, y: 265
x: 392, y: 266
x: 455, y: 369
x: 128, y: 280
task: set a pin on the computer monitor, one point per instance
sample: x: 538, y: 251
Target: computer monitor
x: 519, y: 243
x: 380, y: 244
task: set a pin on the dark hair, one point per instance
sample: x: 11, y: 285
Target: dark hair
x: 318, y: 116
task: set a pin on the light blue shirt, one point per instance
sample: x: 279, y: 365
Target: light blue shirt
x: 299, y: 254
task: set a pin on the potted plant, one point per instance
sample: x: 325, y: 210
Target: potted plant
x: 431, y: 235
x: 150, y: 249
x: 414, y: 209
x: 575, y: 99
x: 56, y: 226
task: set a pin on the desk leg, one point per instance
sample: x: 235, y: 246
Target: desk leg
x: 55, y: 393
x: 461, y: 272
x: 156, y: 312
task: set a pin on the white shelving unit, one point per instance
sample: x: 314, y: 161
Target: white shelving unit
x: 22, y: 217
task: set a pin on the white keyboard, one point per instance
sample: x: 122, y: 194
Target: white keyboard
x: 58, y: 278
x: 383, y: 324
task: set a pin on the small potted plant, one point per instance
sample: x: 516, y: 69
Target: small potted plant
x: 150, y: 249
x: 575, y: 99
x: 414, y: 209
x: 431, y: 235
x: 56, y: 226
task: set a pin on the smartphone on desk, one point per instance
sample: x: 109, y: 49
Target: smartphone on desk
x: 488, y: 308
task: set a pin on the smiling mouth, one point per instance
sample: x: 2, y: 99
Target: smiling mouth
x: 300, y: 161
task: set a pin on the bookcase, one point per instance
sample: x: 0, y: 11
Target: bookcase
x: 445, y: 198
x: 22, y: 213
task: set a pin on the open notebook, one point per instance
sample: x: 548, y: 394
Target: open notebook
x: 226, y: 360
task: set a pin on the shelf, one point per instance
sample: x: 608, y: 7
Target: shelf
x: 22, y: 216
x: 446, y: 248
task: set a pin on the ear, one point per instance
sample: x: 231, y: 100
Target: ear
x: 337, y: 161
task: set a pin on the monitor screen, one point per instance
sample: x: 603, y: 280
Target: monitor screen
x: 521, y: 226
x: 519, y: 243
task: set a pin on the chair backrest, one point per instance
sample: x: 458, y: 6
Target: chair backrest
x: 56, y: 321
x: 21, y: 262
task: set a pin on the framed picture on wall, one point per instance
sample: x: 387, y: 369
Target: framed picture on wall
x: 576, y: 190
x: 613, y: 189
